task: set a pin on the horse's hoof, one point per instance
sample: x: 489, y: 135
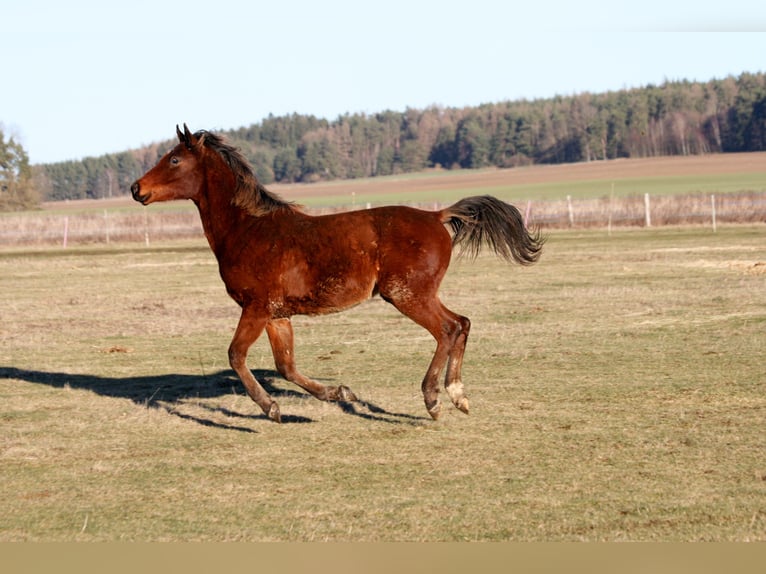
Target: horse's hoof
x: 274, y: 413
x: 346, y: 395
x: 455, y: 391
x: 435, y: 410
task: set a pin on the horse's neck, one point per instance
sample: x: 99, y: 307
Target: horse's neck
x: 221, y: 220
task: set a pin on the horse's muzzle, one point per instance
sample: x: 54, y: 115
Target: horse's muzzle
x: 135, y: 190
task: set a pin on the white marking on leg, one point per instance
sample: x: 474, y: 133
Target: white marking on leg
x: 457, y: 395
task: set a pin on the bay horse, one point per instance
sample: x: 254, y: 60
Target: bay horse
x: 278, y: 261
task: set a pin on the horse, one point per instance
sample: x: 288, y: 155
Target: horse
x: 277, y: 261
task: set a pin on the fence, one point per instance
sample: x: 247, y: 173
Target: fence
x: 147, y: 225
x: 648, y: 211
x: 105, y: 227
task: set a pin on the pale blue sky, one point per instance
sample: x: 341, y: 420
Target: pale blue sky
x: 84, y: 78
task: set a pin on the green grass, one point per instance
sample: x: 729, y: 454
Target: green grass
x: 590, y: 189
x: 617, y: 392
x: 676, y: 185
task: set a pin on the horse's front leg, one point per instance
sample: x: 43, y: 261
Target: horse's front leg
x: 280, y: 332
x: 251, y: 325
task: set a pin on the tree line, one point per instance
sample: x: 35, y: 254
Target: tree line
x: 674, y: 118
x: 17, y: 189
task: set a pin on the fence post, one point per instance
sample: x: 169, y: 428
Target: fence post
x: 571, y: 211
x: 146, y: 227
x: 712, y: 204
x: 648, y: 210
x: 526, y: 213
x: 66, y: 231
x: 106, y: 226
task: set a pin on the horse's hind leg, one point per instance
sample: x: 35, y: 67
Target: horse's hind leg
x: 280, y: 332
x: 453, y: 381
x: 450, y: 331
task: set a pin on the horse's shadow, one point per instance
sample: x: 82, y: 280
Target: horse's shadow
x: 170, y: 392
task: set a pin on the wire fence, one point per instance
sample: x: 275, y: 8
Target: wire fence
x: 147, y: 225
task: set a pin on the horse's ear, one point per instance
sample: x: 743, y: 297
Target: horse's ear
x: 190, y: 139
x: 185, y: 137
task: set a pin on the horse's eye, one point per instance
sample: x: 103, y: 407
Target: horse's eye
x: 174, y: 160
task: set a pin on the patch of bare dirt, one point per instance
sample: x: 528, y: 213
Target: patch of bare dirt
x: 750, y: 268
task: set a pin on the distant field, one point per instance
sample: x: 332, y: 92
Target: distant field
x: 719, y: 173
x: 617, y: 391
x: 660, y: 176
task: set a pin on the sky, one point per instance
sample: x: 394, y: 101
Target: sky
x: 85, y: 78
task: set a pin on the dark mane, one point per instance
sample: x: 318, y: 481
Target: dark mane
x: 249, y: 194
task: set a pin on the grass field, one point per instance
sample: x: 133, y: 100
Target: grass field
x: 717, y: 173
x: 541, y: 191
x: 618, y: 392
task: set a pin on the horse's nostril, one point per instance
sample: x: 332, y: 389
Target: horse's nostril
x: 135, y: 188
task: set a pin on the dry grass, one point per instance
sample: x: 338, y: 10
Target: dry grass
x: 617, y: 388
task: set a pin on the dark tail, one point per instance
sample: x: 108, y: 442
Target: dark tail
x: 485, y: 220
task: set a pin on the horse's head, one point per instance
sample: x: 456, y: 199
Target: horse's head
x: 178, y: 175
